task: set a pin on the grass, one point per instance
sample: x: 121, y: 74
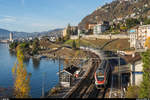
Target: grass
x: 120, y: 44
x: 83, y: 42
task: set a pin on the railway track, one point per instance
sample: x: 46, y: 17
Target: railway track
x: 87, y: 87
x: 86, y: 84
x: 93, y: 92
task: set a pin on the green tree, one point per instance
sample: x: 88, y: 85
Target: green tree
x: 21, y: 77
x: 132, y: 22
x: 35, y: 47
x: 74, y: 45
x: 132, y: 92
x: 13, y: 45
x: 69, y: 32
x: 24, y: 46
x: 145, y: 85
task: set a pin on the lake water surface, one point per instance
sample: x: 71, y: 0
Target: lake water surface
x: 36, y: 67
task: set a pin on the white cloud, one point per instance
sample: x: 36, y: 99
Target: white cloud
x: 38, y: 25
x: 8, y: 19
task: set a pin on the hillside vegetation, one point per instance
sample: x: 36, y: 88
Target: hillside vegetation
x: 115, y: 10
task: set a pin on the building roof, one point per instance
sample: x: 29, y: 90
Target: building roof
x: 130, y: 59
x: 71, y: 70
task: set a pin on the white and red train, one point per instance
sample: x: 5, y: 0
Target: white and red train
x: 103, y: 71
x: 102, y: 74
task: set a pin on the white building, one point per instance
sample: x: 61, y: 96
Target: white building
x: 136, y: 73
x: 11, y: 37
x: 138, y: 36
x: 53, y: 38
x: 98, y: 29
x: 132, y: 38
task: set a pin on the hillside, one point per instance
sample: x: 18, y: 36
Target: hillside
x: 117, y: 9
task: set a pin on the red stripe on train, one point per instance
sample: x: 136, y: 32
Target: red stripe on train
x: 100, y: 82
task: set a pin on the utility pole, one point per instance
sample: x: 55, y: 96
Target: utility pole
x: 43, y: 85
x: 119, y: 76
x: 59, y: 71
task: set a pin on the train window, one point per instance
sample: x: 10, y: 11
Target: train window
x: 100, y: 78
x: 100, y: 73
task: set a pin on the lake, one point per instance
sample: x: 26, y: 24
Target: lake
x: 44, y: 70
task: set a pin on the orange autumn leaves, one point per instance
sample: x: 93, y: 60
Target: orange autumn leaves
x: 21, y: 77
x: 147, y: 43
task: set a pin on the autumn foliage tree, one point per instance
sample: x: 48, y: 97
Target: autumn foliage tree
x: 147, y: 43
x: 21, y: 77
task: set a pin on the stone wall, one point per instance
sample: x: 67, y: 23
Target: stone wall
x: 93, y: 37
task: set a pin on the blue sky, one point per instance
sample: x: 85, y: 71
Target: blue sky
x: 43, y: 15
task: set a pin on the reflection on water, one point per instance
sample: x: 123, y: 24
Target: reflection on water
x: 36, y: 63
x: 34, y: 66
x: 12, y: 53
x: 26, y: 60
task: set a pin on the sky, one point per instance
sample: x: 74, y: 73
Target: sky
x: 44, y: 15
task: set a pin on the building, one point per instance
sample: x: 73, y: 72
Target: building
x: 98, y: 29
x: 138, y: 36
x: 131, y: 1
x: 91, y: 26
x: 101, y: 27
x: 135, y: 64
x: 136, y: 72
x: 53, y: 38
x: 67, y: 75
x: 64, y: 32
x: 11, y: 37
x: 74, y: 31
x: 133, y: 38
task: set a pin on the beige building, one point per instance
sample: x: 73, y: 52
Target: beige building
x: 74, y: 30
x: 64, y: 32
x: 91, y: 26
x: 138, y: 36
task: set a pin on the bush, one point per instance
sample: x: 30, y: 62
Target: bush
x: 13, y: 45
x: 132, y: 22
x: 132, y: 92
x: 55, y: 90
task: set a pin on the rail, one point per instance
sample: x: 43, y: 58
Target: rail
x: 88, y: 74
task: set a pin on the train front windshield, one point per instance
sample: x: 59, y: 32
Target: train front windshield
x: 100, y: 75
x: 100, y: 78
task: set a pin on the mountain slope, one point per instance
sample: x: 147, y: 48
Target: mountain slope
x: 117, y: 9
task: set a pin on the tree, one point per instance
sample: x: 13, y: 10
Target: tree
x: 69, y: 32
x: 13, y: 45
x: 21, y: 77
x: 132, y: 92
x: 74, y: 44
x: 145, y: 85
x: 146, y: 21
x: 147, y: 43
x: 132, y: 22
x: 35, y: 46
